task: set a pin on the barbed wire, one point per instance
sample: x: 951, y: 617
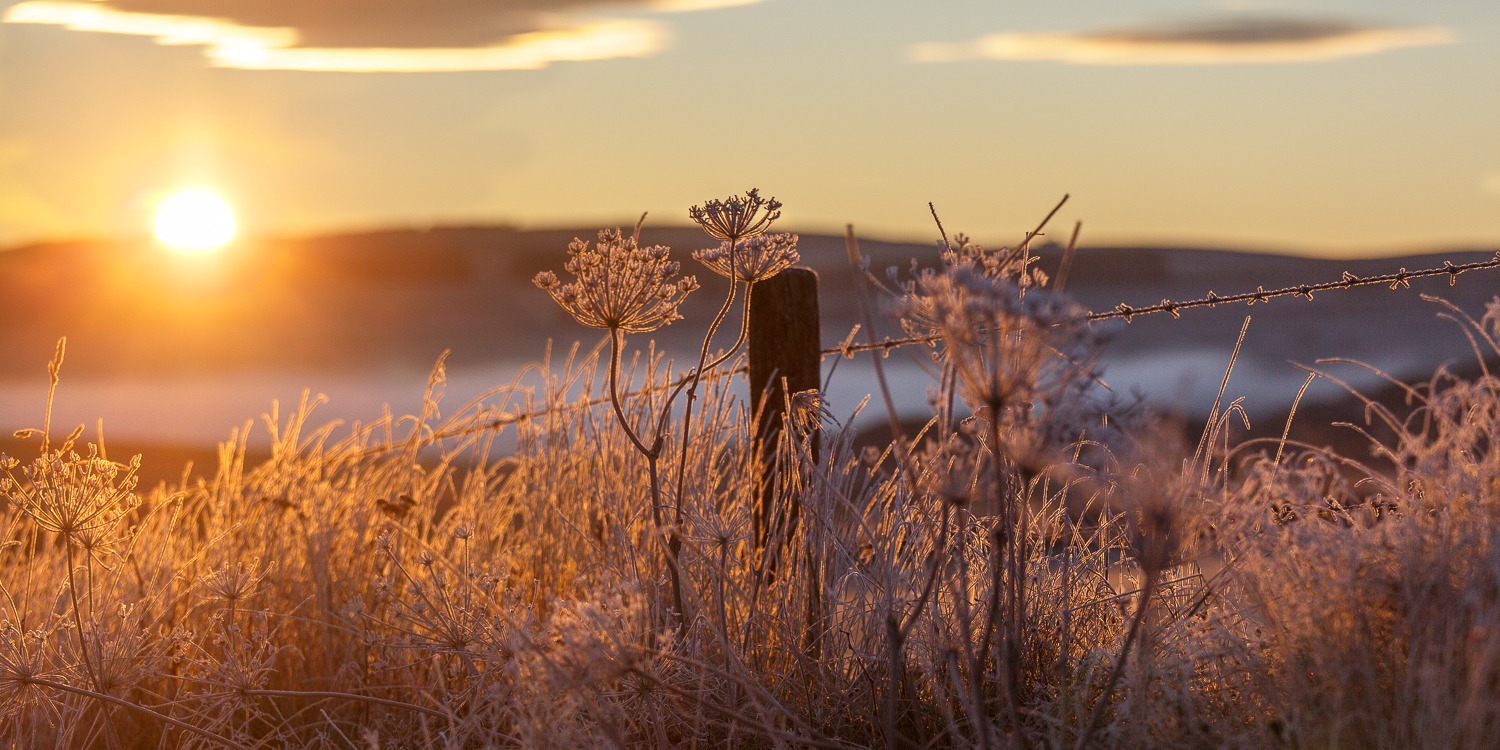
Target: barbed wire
x: 1397, y: 279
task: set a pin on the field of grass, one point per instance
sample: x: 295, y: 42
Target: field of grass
x: 1039, y: 567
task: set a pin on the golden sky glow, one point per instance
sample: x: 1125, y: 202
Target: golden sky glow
x: 1372, y: 133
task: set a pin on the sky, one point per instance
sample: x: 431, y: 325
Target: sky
x: 1333, y: 128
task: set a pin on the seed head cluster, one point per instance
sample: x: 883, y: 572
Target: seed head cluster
x: 620, y: 285
x: 736, y: 217
x: 755, y: 259
x: 21, y: 663
x: 78, y: 498
x: 809, y: 411
x: 1007, y: 349
x: 233, y: 583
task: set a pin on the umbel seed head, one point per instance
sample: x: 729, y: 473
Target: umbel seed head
x: 619, y: 286
x: 737, y: 217
x: 756, y: 259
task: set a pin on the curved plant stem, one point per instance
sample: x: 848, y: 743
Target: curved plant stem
x: 1013, y: 565
x: 614, y: 393
x: 652, y: 455
x: 744, y: 332
x: 127, y: 704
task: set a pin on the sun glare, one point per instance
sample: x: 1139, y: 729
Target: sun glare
x: 194, y: 220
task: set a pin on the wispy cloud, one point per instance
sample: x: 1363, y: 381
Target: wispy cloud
x: 595, y: 41
x: 682, y: 6
x: 377, y: 35
x: 1245, y: 39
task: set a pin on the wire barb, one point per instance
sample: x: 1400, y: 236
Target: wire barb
x: 1398, y: 279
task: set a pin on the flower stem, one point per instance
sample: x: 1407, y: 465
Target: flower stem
x: 1009, y: 501
x: 614, y: 394
x: 674, y: 542
x: 127, y: 704
x: 77, y: 619
x: 652, y: 455
x: 1114, y: 675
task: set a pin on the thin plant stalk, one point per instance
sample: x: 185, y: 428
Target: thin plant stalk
x: 1114, y: 675
x: 674, y: 540
x: 652, y: 455
x: 896, y: 631
x: 40, y: 682
x: 77, y: 617
x: 1010, y: 554
x: 972, y: 660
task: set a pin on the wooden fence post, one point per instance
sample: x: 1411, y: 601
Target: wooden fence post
x: 785, y: 346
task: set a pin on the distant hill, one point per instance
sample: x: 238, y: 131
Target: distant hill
x: 396, y: 298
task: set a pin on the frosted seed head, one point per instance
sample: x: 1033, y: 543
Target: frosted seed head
x: 1012, y: 349
x: 234, y: 583
x: 809, y: 411
x: 736, y: 217
x: 755, y: 259
x: 620, y: 286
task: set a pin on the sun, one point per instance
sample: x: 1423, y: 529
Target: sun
x: 194, y: 220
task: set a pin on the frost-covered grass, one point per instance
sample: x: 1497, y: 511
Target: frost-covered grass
x: 1038, y: 568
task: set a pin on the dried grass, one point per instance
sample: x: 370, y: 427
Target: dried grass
x: 1022, y: 574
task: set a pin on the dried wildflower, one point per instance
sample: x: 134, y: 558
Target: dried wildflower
x: 736, y: 217
x: 1161, y: 494
x: 620, y: 285
x: 123, y: 656
x: 398, y: 508
x: 246, y: 664
x: 952, y: 471
x: 755, y: 259
x: 809, y: 411
x: 721, y: 529
x: 1009, y: 350
x: 79, y: 499
x: 1012, y: 264
x: 21, y: 664
x: 234, y: 583
x: 1156, y: 538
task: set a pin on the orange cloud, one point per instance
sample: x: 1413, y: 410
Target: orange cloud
x: 376, y: 35
x: 1213, y: 42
